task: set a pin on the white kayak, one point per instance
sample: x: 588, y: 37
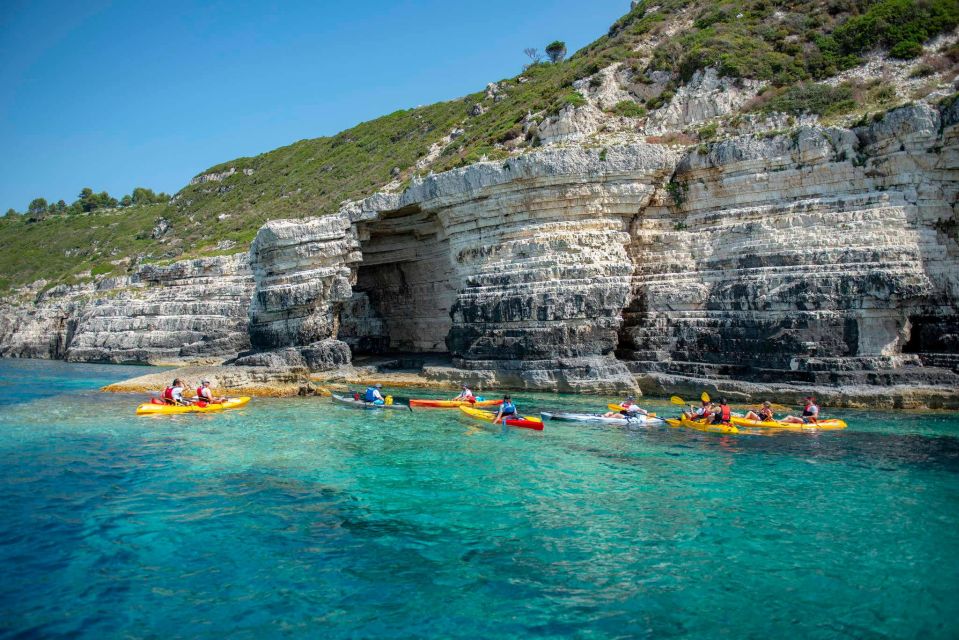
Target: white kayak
x: 624, y: 421
x: 360, y: 404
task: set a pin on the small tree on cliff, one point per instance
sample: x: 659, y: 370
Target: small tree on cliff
x: 556, y: 50
x: 37, y: 209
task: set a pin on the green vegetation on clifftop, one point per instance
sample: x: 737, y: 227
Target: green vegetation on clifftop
x: 787, y: 43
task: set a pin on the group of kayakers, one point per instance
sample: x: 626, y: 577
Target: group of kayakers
x: 719, y: 412
x: 204, y: 393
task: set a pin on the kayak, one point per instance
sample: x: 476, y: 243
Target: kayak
x: 362, y: 404
x: 822, y: 425
x: 697, y: 425
x: 634, y: 421
x: 149, y: 408
x: 452, y: 404
x: 489, y: 416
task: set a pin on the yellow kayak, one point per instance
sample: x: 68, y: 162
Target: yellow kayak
x: 697, y: 425
x: 822, y: 425
x: 149, y: 409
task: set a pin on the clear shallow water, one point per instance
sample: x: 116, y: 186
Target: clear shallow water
x: 297, y: 518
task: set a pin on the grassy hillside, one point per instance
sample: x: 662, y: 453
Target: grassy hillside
x: 783, y: 42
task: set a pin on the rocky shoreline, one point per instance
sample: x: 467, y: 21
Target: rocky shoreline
x: 292, y: 381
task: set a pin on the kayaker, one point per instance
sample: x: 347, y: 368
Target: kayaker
x: 721, y: 413
x: 810, y: 413
x: 374, y: 395
x: 205, y: 393
x: 765, y: 413
x: 628, y: 408
x: 701, y: 413
x: 174, y: 393
x: 506, y: 410
x: 466, y: 395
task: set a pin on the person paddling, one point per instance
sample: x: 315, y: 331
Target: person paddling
x: 721, y: 413
x: 174, y: 393
x: 373, y: 394
x: 701, y: 413
x: 628, y: 408
x: 466, y: 395
x: 810, y: 413
x: 765, y: 413
x: 506, y: 410
x: 205, y: 393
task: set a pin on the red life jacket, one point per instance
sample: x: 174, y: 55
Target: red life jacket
x: 168, y: 394
x: 199, y: 393
x: 725, y: 413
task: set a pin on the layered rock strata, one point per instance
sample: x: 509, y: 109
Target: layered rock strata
x: 822, y: 256
x: 303, y: 272
x: 818, y: 256
x: 188, y: 311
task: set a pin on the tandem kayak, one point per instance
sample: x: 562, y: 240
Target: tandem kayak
x: 452, y: 404
x: 822, y: 425
x: 361, y: 404
x: 149, y: 408
x: 624, y: 421
x: 698, y: 425
x: 489, y: 416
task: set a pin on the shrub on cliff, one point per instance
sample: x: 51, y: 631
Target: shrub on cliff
x: 629, y: 109
x: 901, y: 26
x: 820, y: 99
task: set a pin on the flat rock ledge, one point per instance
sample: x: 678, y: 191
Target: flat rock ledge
x: 230, y: 380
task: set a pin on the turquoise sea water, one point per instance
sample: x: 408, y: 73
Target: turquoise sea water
x: 297, y: 518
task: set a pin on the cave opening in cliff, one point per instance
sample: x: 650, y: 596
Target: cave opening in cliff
x: 403, y: 293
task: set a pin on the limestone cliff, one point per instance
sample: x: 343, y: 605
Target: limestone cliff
x: 821, y: 255
x: 188, y: 311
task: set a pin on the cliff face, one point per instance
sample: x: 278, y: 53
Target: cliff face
x: 818, y: 256
x: 804, y: 256
x: 189, y: 311
x: 824, y: 255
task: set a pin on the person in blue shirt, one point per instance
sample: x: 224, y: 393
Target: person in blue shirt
x: 506, y: 410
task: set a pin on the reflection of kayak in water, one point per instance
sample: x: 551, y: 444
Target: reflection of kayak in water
x: 822, y: 425
x: 452, y: 404
x: 160, y: 408
x: 623, y: 421
x: 361, y: 404
x: 699, y: 425
x: 489, y: 416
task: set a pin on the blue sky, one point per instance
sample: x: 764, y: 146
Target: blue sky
x: 113, y: 95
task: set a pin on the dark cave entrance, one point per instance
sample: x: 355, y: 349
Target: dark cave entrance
x: 403, y: 291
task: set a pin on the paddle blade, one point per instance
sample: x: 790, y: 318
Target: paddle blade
x: 704, y: 397
x: 678, y: 400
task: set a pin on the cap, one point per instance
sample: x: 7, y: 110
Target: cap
x: 379, y: 386
x: 767, y: 403
x: 205, y: 382
x: 630, y: 397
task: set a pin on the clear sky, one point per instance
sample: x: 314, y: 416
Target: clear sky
x: 113, y: 95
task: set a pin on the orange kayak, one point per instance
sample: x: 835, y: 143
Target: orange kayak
x: 452, y: 404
